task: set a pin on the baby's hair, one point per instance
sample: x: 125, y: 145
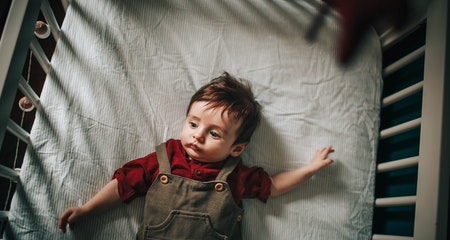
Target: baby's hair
x: 237, y: 98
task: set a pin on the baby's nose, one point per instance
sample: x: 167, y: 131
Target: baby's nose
x: 198, y: 136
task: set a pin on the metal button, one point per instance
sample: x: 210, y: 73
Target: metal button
x: 164, y: 179
x: 239, y: 218
x: 197, y: 172
x: 219, y: 187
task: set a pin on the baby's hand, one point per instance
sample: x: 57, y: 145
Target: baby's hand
x: 70, y: 216
x: 288, y: 180
x: 320, y: 159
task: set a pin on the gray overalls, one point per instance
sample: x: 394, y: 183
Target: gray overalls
x: 180, y: 208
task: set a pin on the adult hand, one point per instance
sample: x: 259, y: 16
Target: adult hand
x: 357, y: 16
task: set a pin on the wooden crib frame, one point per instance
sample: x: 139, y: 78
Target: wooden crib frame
x: 432, y: 193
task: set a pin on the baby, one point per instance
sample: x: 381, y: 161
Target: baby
x: 194, y: 186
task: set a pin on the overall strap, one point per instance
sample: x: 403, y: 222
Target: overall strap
x: 163, y: 159
x: 229, y: 166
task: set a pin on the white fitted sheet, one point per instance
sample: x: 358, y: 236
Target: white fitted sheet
x: 123, y: 73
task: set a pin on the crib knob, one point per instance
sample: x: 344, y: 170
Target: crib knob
x: 25, y: 104
x: 41, y: 30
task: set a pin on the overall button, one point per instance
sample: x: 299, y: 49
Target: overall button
x: 219, y: 187
x: 197, y: 172
x: 164, y: 179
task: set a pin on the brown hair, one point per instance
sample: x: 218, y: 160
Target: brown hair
x: 237, y: 98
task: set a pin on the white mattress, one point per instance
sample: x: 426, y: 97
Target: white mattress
x: 123, y: 73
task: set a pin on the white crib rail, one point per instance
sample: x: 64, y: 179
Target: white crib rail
x: 401, y: 128
x: 40, y: 55
x: 395, y: 201
x: 16, y: 40
x: 13, y: 48
x: 390, y: 237
x: 391, y: 36
x: 431, y: 218
x: 432, y: 194
x: 50, y: 17
x: 18, y: 131
x: 398, y: 164
x: 402, y: 94
x: 3, y: 215
x: 26, y: 89
x: 9, y: 173
x: 404, y: 61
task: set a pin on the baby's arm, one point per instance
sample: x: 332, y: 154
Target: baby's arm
x: 286, y: 181
x: 107, y: 198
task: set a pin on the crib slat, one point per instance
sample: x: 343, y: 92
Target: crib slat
x: 4, y: 215
x: 390, y: 237
x: 397, y: 164
x: 8, y: 173
x: 395, y: 201
x: 402, y: 62
x: 14, y: 45
x: 18, y: 131
x: 65, y: 4
x: 392, y: 36
x: 8, y: 41
x: 389, y: 132
x: 40, y: 55
x: 402, y: 94
x: 26, y: 89
x: 51, y: 19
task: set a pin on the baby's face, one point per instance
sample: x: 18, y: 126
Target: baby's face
x: 208, y: 135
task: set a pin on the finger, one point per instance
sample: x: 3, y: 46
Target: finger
x: 326, y: 148
x: 71, y: 226
x: 65, y: 219
x: 329, y: 149
x: 62, y: 221
x: 62, y: 226
x: 328, y: 161
x: 324, y: 151
x: 324, y: 154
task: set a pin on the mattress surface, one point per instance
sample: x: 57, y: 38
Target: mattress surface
x: 122, y: 76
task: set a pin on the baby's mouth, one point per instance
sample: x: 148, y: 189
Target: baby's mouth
x: 194, y: 147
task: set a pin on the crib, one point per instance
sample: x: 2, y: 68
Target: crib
x: 405, y: 178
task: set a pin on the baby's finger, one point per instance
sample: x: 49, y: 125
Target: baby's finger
x: 62, y: 225
x: 71, y: 226
x: 324, y: 151
x: 62, y: 221
x: 328, y: 161
x: 329, y: 149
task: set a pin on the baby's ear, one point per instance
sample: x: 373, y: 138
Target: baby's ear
x: 237, y: 149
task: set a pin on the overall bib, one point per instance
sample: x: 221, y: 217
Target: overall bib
x: 180, y: 208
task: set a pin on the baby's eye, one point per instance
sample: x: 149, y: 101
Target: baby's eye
x: 193, y: 124
x: 214, y: 134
